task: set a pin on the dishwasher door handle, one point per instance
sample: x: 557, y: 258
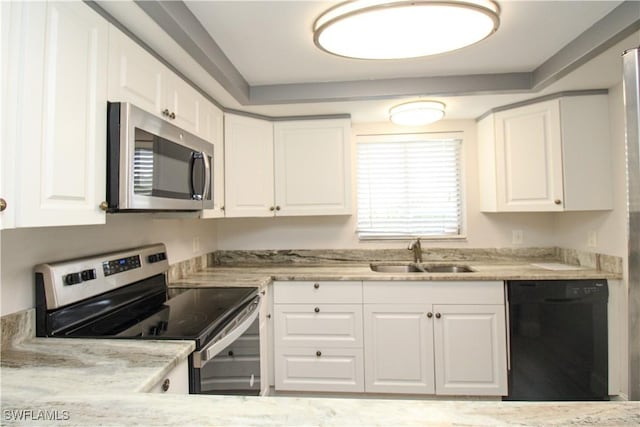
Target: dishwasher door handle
x: 250, y: 314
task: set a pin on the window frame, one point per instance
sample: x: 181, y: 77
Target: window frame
x: 366, y: 138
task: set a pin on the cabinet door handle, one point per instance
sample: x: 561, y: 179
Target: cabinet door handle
x: 317, y: 309
x: 165, y: 385
x: 3, y: 205
x: 172, y: 115
x: 103, y: 206
x: 230, y: 353
x: 557, y: 201
x: 272, y: 208
x: 165, y: 112
x: 318, y: 353
x: 429, y: 315
x: 438, y: 315
x: 316, y: 285
x: 277, y: 208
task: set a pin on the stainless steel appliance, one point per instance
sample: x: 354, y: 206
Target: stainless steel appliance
x: 154, y: 165
x: 124, y: 295
x: 631, y: 66
x: 558, y: 340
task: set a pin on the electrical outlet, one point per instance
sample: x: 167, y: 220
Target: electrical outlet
x: 196, y: 244
x: 517, y: 237
x: 592, y: 239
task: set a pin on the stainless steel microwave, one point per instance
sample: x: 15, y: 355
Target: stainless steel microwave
x: 153, y: 165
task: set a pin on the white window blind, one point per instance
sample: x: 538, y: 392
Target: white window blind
x: 409, y: 186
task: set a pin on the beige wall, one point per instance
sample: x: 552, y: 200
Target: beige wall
x: 21, y: 249
x: 572, y: 228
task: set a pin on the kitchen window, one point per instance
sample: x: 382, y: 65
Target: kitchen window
x: 409, y: 185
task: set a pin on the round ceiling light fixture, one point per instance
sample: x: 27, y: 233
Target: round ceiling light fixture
x: 395, y: 29
x: 417, y: 113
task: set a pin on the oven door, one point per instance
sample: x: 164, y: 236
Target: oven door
x: 159, y: 166
x: 230, y: 362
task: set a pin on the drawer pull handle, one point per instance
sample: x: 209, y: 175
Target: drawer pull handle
x: 316, y: 285
x: 317, y: 309
x: 165, y: 385
x: 318, y: 353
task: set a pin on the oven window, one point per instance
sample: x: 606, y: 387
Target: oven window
x: 161, y: 168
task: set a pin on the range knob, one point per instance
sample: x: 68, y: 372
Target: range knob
x: 72, y: 279
x: 88, y: 275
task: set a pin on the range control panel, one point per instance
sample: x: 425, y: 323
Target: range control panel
x: 66, y: 282
x: 119, y: 265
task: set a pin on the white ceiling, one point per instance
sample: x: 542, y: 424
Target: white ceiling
x: 270, y: 43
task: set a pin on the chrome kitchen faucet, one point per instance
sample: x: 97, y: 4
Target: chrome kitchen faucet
x: 416, y: 247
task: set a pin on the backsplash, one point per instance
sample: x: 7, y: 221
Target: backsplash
x: 603, y: 262
x: 16, y: 327
x: 182, y: 269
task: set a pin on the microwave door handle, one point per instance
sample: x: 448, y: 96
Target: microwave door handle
x: 210, y: 351
x: 194, y: 157
x: 207, y: 175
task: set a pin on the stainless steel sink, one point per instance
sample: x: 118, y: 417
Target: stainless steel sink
x: 448, y: 268
x: 396, y: 268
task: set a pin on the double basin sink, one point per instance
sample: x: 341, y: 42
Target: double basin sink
x: 420, y: 268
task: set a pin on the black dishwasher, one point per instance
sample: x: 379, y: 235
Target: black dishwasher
x: 558, y: 340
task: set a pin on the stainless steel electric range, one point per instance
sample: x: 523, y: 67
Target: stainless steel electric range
x: 124, y: 295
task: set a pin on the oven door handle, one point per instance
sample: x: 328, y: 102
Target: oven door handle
x: 248, y: 316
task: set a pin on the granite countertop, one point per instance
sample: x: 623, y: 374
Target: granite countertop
x: 84, y: 382
x: 47, y: 381
x: 261, y: 274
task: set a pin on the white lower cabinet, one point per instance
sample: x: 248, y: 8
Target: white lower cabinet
x: 470, y: 350
x: 442, y: 338
x: 416, y: 345
x: 174, y: 382
x: 398, y: 349
x: 318, y: 336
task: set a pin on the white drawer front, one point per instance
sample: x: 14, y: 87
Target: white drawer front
x: 312, y: 325
x: 296, y: 292
x: 321, y: 369
x: 430, y: 292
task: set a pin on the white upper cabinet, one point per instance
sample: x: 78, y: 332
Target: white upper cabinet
x: 212, y: 129
x: 313, y: 164
x: 136, y: 76
x: 549, y: 156
x: 248, y: 155
x: 288, y: 168
x: 58, y: 109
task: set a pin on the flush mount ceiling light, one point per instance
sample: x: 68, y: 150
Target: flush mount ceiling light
x: 417, y: 113
x: 394, y: 29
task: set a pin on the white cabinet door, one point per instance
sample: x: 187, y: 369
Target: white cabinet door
x: 13, y: 54
x: 248, y: 167
x: 61, y: 159
x: 134, y: 74
x: 212, y: 129
x: 398, y: 347
x: 529, y: 158
x: 470, y: 350
x: 312, y: 167
x: 183, y: 102
x: 319, y: 369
